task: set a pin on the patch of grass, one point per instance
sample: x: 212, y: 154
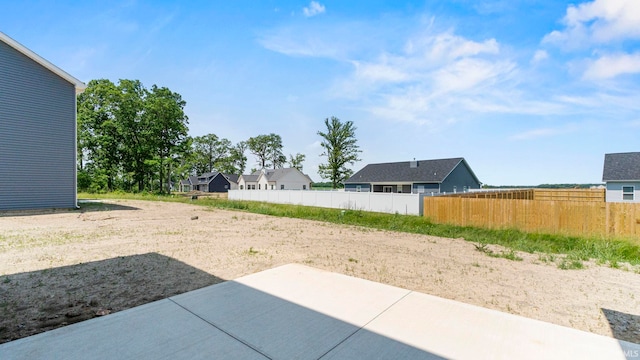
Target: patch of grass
x: 577, y: 248
x: 482, y: 247
x: 353, y: 260
x: 509, y: 255
x: 567, y: 264
x: 547, y: 258
x: 252, y: 251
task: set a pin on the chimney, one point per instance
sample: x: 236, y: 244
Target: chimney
x: 413, y: 164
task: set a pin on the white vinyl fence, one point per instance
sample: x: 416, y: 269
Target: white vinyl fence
x: 406, y: 204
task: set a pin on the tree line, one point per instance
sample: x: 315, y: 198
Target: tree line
x: 132, y: 138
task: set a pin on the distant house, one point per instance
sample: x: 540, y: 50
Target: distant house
x: 37, y: 130
x: 248, y: 182
x: 189, y: 184
x: 424, y: 176
x: 275, y: 179
x: 210, y: 182
x: 621, y: 174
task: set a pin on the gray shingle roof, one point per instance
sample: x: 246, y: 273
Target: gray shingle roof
x: 231, y: 177
x: 621, y: 167
x: 250, y: 178
x: 429, y: 171
x: 274, y: 174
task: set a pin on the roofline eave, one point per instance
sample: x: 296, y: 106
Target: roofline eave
x: 79, y: 85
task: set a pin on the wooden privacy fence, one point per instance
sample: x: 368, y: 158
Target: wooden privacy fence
x: 572, y: 217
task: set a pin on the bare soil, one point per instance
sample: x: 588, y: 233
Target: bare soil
x: 61, y: 267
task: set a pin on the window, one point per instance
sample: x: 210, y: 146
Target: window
x: 253, y: 187
x: 282, y: 187
x: 358, y: 188
x: 627, y: 193
x: 241, y: 187
x: 387, y: 189
x: 304, y: 187
x: 273, y: 187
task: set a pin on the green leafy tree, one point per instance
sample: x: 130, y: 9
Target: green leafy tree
x: 239, y: 157
x: 129, y: 136
x: 167, y: 126
x: 99, y: 141
x: 295, y: 161
x: 268, y: 150
x: 341, y: 148
x: 134, y: 131
x: 210, y: 153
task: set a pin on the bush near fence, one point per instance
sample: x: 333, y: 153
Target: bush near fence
x: 570, y: 212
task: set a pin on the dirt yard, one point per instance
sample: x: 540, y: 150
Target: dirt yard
x: 58, y: 268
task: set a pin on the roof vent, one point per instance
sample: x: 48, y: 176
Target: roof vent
x: 413, y: 164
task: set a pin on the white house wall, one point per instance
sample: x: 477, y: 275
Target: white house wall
x: 293, y: 181
x: 263, y: 183
x: 614, y: 192
x: 408, y: 204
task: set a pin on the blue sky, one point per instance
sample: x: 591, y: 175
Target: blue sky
x: 529, y: 92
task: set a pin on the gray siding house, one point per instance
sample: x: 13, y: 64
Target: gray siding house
x: 37, y: 130
x: 621, y: 174
x: 210, y: 182
x: 423, y: 176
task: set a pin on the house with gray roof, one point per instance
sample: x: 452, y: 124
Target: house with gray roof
x: 275, y: 179
x: 210, y: 182
x: 37, y: 130
x: 417, y: 176
x: 621, y: 173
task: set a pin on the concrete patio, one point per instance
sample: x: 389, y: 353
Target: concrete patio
x: 297, y: 312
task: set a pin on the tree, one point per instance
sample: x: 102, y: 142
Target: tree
x: 164, y: 115
x: 99, y: 141
x: 267, y: 150
x: 238, y: 158
x: 210, y: 153
x: 296, y: 161
x: 128, y: 135
x: 340, y: 147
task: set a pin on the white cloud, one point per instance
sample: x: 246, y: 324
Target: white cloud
x: 431, y: 80
x: 544, y: 132
x: 598, y: 22
x: 610, y: 66
x: 539, y: 56
x: 469, y: 73
x: 314, y: 8
x: 291, y: 42
x: 447, y: 46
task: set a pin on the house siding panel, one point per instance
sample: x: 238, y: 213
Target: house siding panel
x: 364, y: 187
x: 37, y: 135
x: 614, y: 191
x: 427, y: 187
x: 218, y: 184
x: 459, y: 177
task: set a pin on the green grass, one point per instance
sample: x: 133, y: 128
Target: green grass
x: 576, y: 248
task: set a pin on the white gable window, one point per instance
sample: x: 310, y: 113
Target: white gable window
x: 627, y: 193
